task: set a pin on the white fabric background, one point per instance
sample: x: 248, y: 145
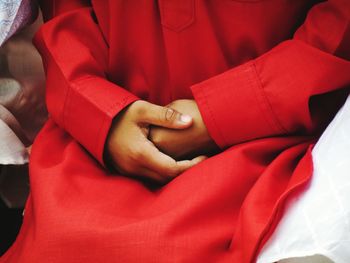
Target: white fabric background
x: 12, y: 150
x: 14, y: 15
x: 22, y: 82
x: 8, y: 12
x: 318, y: 221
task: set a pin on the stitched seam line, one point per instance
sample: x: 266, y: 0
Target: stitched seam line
x: 69, y: 89
x: 118, y: 104
x: 259, y: 99
x: 274, y: 118
x: 65, y: 103
x: 181, y: 27
x: 212, y: 117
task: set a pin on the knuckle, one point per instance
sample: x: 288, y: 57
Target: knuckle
x: 157, y: 139
x: 141, y: 111
x: 169, y: 115
x: 172, y: 171
x: 136, y: 153
x: 139, y: 108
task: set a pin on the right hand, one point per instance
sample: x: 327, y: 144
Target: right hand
x: 130, y: 151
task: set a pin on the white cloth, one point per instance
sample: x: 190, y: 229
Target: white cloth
x: 318, y: 221
x: 14, y: 14
x: 22, y: 105
x: 12, y: 150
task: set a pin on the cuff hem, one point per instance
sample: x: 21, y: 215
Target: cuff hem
x: 234, y: 106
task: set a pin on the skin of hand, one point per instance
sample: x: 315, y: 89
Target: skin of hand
x: 129, y: 150
x: 184, y: 143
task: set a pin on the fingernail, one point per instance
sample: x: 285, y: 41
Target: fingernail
x: 185, y: 118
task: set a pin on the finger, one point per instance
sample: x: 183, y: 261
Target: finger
x: 182, y: 167
x: 186, y: 164
x: 157, y: 161
x: 165, y: 117
x: 163, y: 164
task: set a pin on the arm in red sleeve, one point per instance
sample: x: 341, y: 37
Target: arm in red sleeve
x: 281, y: 92
x: 79, y: 97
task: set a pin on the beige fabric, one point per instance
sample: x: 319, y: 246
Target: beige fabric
x: 22, y: 107
x: 22, y: 112
x: 311, y: 259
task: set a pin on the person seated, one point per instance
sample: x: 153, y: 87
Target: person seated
x: 178, y: 130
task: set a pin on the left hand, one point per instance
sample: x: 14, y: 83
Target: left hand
x: 189, y: 142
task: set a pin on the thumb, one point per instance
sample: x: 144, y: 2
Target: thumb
x: 166, y: 117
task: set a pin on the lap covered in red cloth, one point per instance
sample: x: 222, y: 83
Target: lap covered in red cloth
x: 267, y: 77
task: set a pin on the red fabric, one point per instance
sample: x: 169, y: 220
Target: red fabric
x: 267, y: 76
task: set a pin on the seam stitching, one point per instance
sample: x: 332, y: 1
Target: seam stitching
x: 181, y: 27
x: 65, y: 102
x: 213, y: 119
x: 274, y: 118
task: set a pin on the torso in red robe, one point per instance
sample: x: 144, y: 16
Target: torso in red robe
x: 267, y: 76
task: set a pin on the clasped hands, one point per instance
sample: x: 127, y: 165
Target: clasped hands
x: 159, y: 143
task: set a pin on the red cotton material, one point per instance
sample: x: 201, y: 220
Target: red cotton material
x: 267, y: 75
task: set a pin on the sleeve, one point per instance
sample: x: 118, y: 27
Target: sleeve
x: 79, y: 97
x: 292, y: 89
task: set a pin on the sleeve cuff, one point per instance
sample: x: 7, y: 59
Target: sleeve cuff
x: 90, y: 108
x: 234, y: 107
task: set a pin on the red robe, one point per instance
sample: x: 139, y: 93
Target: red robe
x: 267, y: 75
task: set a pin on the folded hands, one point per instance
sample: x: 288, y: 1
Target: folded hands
x: 159, y: 143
